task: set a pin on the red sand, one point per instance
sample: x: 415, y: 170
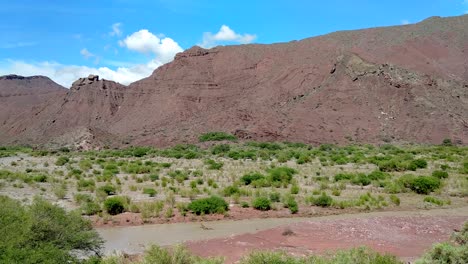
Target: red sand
x: 405, y: 237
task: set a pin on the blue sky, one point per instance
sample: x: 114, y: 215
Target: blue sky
x: 125, y: 40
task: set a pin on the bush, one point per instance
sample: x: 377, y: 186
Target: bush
x: 230, y: 190
x: 275, y: 197
x: 440, y: 174
x: 360, y: 255
x: 176, y: 255
x: 361, y: 179
x: 395, y: 200
x: 114, y: 205
x: 281, y: 174
x: 216, y: 136
x: 419, y: 163
x: 90, y: 208
x: 211, y: 205
x: 213, y: 165
x: 433, y: 200
x: 220, y: 149
x: 447, y: 142
x: 108, y: 189
x: 323, y: 200
x: 295, y: 189
x: 251, y: 177
x: 424, y: 184
x: 150, y: 191
x: 154, y: 177
x: 261, y: 203
x: 62, y: 161
x: 455, y: 251
x: 343, y: 177
x: 378, y: 175
x: 292, y: 205
x: 40, y: 178
x: 44, y: 233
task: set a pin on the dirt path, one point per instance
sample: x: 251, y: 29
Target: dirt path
x: 405, y: 234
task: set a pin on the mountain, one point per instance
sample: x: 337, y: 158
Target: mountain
x: 20, y: 94
x: 393, y: 84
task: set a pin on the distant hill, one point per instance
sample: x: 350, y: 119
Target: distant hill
x: 394, y: 84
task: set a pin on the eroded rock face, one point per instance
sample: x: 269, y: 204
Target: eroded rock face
x: 84, y: 81
x: 395, y: 84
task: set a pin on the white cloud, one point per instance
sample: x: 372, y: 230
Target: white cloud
x: 163, y: 49
x: 405, y: 22
x: 116, y: 30
x: 67, y: 74
x: 225, y: 34
x: 86, y: 54
x: 144, y: 41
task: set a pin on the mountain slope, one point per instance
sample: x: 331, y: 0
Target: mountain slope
x: 20, y: 94
x: 395, y: 84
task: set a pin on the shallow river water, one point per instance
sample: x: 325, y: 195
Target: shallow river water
x: 135, y: 239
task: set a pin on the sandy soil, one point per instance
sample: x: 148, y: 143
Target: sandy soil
x: 405, y: 234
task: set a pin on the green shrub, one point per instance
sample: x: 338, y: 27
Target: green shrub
x: 440, y: 174
x: 231, y: 190
x: 392, y: 165
x: 275, y: 197
x: 361, y: 179
x: 177, y: 255
x: 424, y: 184
x: 154, y: 177
x: 292, y: 205
x: 419, y: 163
x: 44, y: 233
x: 216, y: 136
x: 244, y: 204
x: 108, y: 189
x: 295, y: 189
x: 395, y: 200
x: 90, y: 208
x: 377, y: 175
x: 62, y: 160
x: 150, y: 191
x: 40, y: 178
x: 213, y: 165
x: 251, y: 177
x: 261, y: 203
x: 447, y: 142
x: 343, y: 176
x: 358, y: 255
x: 114, y: 205
x: 323, y: 200
x: 86, y: 184
x: 220, y: 149
x: 281, y: 174
x: 433, y: 200
x: 455, y: 251
x: 209, y: 205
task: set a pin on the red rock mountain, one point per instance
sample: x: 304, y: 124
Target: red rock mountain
x: 20, y: 94
x: 393, y: 84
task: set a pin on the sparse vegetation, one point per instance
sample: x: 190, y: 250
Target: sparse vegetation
x: 216, y: 136
x: 355, y: 177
